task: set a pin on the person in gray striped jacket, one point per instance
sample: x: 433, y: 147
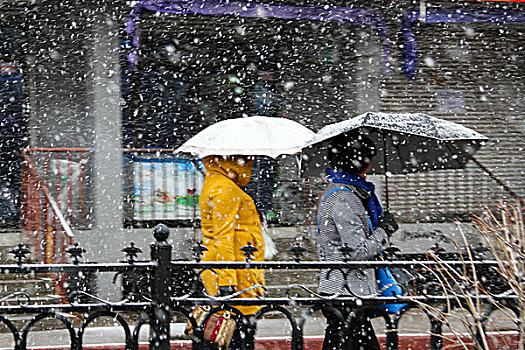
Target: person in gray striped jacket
x: 351, y: 217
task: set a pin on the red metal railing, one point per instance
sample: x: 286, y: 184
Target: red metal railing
x: 63, y: 171
x: 53, y: 198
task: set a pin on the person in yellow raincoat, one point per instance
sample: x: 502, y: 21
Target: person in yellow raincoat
x: 230, y: 220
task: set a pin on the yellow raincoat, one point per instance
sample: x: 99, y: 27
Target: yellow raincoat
x: 229, y: 221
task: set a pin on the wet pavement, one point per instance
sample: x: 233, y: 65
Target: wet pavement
x: 414, y: 322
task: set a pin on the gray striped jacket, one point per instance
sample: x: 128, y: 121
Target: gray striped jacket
x: 344, y: 219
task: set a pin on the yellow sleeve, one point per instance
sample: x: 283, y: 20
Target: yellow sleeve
x: 224, y: 221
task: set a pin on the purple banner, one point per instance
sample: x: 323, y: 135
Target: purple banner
x: 255, y: 10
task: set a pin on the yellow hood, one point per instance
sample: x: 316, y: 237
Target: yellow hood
x: 236, y: 168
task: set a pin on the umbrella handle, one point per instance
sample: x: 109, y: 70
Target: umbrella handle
x: 385, y: 162
x: 194, y: 223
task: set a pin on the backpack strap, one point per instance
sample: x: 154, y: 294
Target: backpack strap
x: 342, y: 188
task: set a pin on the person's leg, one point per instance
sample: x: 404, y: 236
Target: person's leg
x: 333, y: 335
x: 334, y: 338
x: 244, y: 332
x: 370, y: 336
x: 236, y: 342
x: 363, y: 336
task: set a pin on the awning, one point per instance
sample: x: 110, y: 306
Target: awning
x: 255, y: 10
x: 447, y: 15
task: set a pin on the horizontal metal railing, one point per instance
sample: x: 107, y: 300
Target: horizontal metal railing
x: 156, y: 301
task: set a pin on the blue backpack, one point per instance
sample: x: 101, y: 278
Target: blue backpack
x: 383, y: 274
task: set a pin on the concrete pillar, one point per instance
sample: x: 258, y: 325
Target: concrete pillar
x: 368, y: 71
x: 73, y: 84
x: 105, y: 112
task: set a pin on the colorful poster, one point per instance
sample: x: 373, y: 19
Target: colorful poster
x: 165, y: 189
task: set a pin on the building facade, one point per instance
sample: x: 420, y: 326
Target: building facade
x: 104, y: 77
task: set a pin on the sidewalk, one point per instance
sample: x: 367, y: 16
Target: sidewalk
x: 272, y: 333
x: 274, y: 328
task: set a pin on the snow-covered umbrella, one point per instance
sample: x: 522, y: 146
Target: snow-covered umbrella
x: 405, y: 143
x: 256, y: 136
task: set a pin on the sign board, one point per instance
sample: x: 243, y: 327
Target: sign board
x: 165, y: 189
x: 450, y: 101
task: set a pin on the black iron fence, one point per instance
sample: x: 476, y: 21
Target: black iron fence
x: 157, y: 289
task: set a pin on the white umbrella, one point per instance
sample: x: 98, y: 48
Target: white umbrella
x: 257, y: 136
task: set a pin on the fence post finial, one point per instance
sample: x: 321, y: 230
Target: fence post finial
x: 161, y: 232
x: 20, y: 252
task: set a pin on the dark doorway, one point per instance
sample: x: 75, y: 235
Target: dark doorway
x: 11, y: 142
x: 12, y: 124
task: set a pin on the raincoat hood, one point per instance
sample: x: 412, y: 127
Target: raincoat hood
x: 236, y: 168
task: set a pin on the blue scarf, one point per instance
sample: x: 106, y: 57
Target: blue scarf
x: 374, y: 207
